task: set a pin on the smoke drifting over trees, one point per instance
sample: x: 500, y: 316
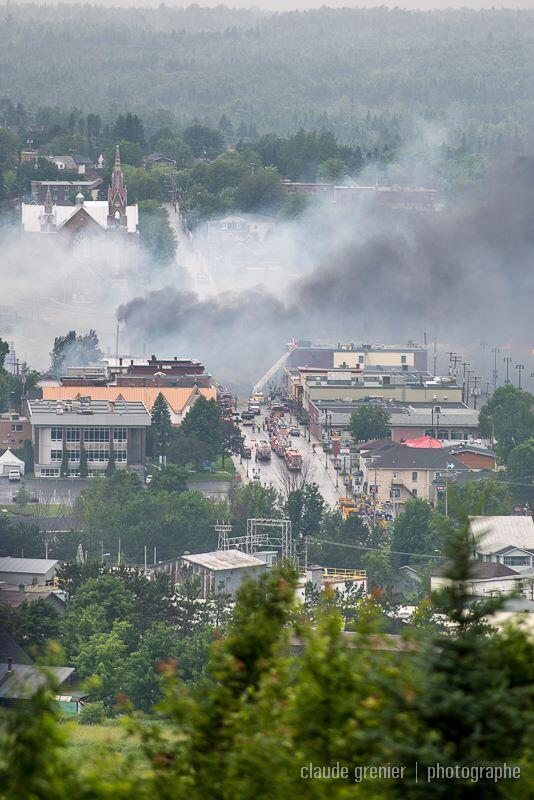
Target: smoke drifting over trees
x: 375, y: 275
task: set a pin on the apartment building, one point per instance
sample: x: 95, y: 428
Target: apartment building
x: 395, y: 473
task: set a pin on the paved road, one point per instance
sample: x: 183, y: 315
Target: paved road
x: 274, y: 472
x: 48, y: 490
x: 188, y: 256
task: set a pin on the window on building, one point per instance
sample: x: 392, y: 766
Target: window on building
x: 429, y: 432
x: 414, y: 492
x: 49, y: 472
x: 395, y: 475
x: 98, y: 455
x: 120, y: 456
x: 394, y: 493
x: 74, y: 473
x: 517, y: 561
x: 443, y: 434
x: 360, y: 359
x: 403, y: 360
x: 17, y: 427
x: 73, y: 434
x: 96, y: 434
x: 414, y: 476
x: 120, y: 434
x: 56, y: 434
x: 56, y: 455
x: 457, y: 435
x: 74, y: 455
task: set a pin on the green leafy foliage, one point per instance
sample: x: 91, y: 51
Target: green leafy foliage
x: 508, y: 417
x: 369, y: 422
x: 204, y: 421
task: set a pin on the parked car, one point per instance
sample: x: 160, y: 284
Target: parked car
x: 294, y: 432
x: 14, y: 475
x: 246, y: 452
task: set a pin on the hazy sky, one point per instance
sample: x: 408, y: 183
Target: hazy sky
x: 285, y: 5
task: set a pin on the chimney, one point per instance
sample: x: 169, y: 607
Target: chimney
x: 120, y: 361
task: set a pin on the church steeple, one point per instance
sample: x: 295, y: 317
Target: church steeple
x: 117, y: 197
x: 47, y: 217
x: 48, y: 203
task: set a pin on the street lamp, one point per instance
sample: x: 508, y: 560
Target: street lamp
x: 437, y: 411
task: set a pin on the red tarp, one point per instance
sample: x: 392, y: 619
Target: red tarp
x: 424, y: 441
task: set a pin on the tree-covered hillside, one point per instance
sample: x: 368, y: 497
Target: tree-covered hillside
x: 362, y: 73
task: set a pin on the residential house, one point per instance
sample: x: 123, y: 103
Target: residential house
x: 397, y: 473
x: 63, y: 192
x: 488, y: 580
x: 504, y: 540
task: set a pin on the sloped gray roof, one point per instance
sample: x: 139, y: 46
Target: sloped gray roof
x: 25, y: 679
x: 496, y: 533
x: 37, y: 566
x: 403, y: 457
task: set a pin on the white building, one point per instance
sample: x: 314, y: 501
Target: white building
x: 504, y: 540
x: 87, y: 216
x: 9, y: 461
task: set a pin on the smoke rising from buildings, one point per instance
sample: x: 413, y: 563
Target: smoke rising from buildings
x: 369, y: 274
x: 361, y: 274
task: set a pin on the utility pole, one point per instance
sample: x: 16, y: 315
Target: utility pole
x: 464, y: 365
x: 476, y: 379
x: 507, y: 360
x: 495, y: 351
x: 469, y: 373
x: 519, y: 367
x: 484, y: 345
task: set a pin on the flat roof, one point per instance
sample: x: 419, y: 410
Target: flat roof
x: 224, y: 559
x: 75, y: 411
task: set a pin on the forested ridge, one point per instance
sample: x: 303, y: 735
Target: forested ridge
x: 363, y: 73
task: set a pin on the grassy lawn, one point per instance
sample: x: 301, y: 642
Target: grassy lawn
x: 219, y: 474
x: 86, y: 741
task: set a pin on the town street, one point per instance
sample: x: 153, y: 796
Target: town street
x: 272, y: 472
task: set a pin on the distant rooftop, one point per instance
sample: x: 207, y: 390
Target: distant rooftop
x: 497, y: 533
x: 78, y: 410
x: 37, y: 566
x: 224, y: 559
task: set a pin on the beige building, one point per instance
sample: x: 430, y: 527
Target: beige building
x: 379, y: 357
x: 397, y: 473
x: 342, y: 385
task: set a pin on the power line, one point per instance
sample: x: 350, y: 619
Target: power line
x: 375, y: 549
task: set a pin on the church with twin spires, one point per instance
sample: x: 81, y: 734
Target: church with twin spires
x: 88, y: 217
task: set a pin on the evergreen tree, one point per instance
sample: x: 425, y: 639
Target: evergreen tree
x: 84, y: 470
x: 112, y: 464
x: 204, y: 420
x: 160, y: 426
x: 64, y: 469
